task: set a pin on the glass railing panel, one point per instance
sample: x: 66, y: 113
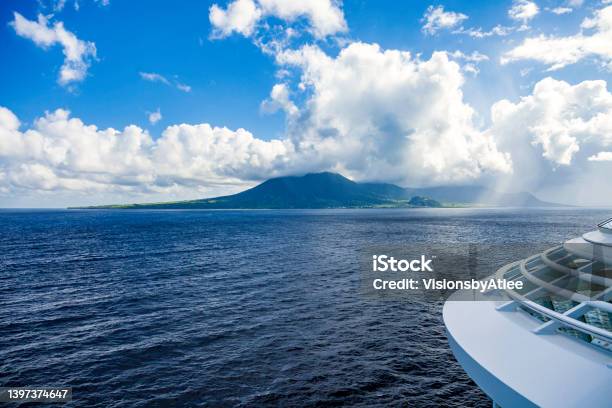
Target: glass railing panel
x: 534, y: 264
x: 528, y: 286
x: 548, y: 274
x: 557, y: 254
x: 574, y: 262
x: 599, y: 269
x: 512, y: 273
x: 573, y: 284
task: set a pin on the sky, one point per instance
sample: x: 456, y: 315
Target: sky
x: 112, y: 101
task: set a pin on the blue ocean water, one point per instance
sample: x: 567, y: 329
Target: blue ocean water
x: 235, y: 308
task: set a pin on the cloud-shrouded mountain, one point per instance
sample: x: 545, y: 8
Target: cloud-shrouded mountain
x: 332, y: 190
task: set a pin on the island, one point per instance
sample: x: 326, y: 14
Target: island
x: 333, y: 190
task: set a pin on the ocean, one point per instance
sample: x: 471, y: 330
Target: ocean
x: 236, y: 308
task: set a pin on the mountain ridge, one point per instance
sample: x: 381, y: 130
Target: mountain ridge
x: 332, y: 190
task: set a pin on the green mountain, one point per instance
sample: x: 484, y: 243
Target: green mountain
x: 331, y: 190
x: 477, y: 195
x: 418, y: 201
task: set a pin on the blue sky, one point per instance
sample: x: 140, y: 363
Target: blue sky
x: 230, y: 77
x: 221, y: 73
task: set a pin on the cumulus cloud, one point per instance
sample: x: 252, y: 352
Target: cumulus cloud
x: 77, y: 53
x: 63, y: 153
x: 436, y: 19
x: 386, y: 115
x: 279, y: 99
x: 325, y: 17
x: 523, y: 10
x: 240, y: 16
x: 369, y: 113
x: 593, y: 40
x: 155, y: 77
x: 601, y: 156
x: 558, y: 118
x: 557, y: 136
x: 154, y: 117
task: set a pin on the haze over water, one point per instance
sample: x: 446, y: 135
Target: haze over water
x: 236, y: 308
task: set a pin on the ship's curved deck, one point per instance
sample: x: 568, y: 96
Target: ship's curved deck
x: 550, y: 343
x: 516, y: 367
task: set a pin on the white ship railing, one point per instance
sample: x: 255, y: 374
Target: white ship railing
x: 555, y: 320
x: 607, y: 224
x: 579, y: 273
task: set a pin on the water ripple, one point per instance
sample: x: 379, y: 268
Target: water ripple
x: 244, y: 308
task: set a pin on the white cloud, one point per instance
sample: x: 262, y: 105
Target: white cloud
x: 155, y: 77
x: 369, y: 113
x: 472, y: 60
x: 240, y: 16
x: 154, y: 117
x: 383, y: 114
x: 475, y: 56
x: 551, y: 133
x: 59, y: 5
x: 561, y: 10
x: 366, y: 112
x: 471, y: 68
x: 498, y: 30
x: 279, y: 99
x: 435, y: 19
x: 325, y: 17
x: 601, y: 156
x: 523, y: 10
x: 559, y: 119
x: 62, y: 153
x: 183, y: 87
x: 77, y: 53
x: 594, y: 40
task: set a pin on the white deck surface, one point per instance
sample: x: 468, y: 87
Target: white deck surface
x: 598, y: 237
x: 548, y: 370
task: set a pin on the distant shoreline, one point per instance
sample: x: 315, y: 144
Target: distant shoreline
x: 467, y: 207
x: 331, y: 190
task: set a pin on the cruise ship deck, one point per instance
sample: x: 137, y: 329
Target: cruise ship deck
x: 549, y: 344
